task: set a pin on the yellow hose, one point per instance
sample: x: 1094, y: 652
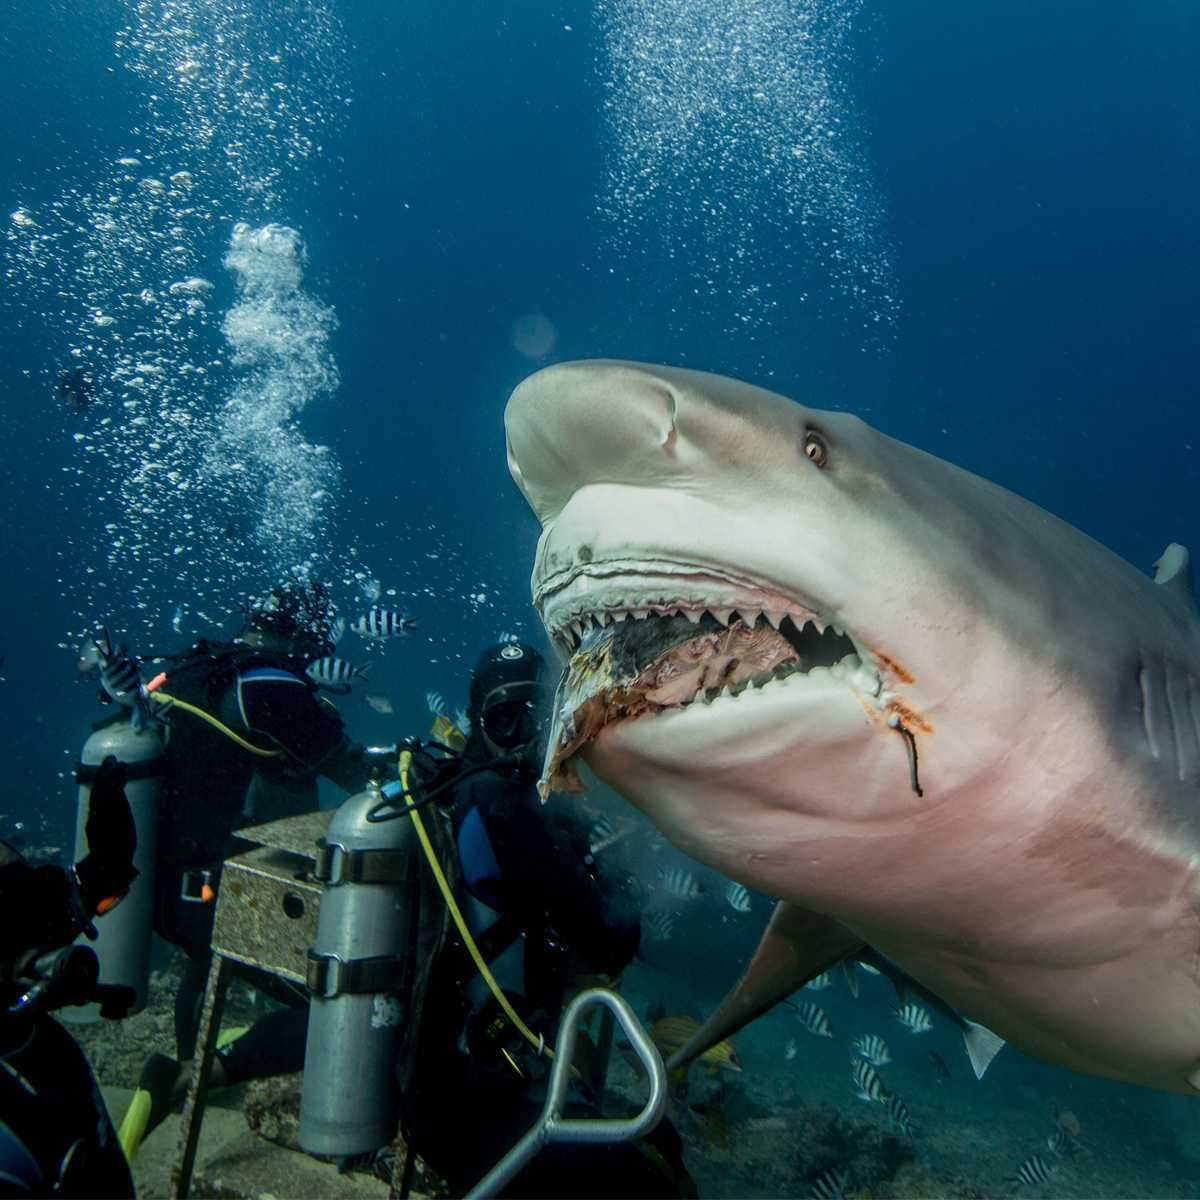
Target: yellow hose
x: 537, y: 1041
x: 174, y: 702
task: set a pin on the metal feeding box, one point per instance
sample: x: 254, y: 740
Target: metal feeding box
x: 267, y: 906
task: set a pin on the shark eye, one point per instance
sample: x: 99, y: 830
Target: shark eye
x: 815, y: 449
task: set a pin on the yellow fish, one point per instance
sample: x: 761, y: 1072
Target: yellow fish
x: 670, y: 1033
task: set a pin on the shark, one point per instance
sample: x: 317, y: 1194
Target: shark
x: 924, y: 714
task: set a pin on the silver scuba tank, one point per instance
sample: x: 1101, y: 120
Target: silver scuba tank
x: 123, y: 945
x: 360, y: 977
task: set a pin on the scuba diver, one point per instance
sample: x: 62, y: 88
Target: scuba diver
x: 247, y: 736
x: 55, y: 1134
x: 548, y: 922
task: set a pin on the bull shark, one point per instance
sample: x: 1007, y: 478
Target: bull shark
x: 923, y: 713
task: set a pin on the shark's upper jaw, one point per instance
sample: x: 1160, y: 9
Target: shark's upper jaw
x: 705, y: 637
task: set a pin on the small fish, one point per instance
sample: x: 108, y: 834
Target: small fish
x: 77, y: 388
x: 658, y: 925
x: 898, y: 1111
x: 867, y: 1084
x: 371, y: 589
x: 940, y: 1068
x: 914, y: 1018
x: 818, y: 983
x: 680, y: 883
x: 738, y: 897
x: 600, y: 835
x: 462, y: 721
x: 830, y: 1185
x: 812, y: 1017
x: 337, y: 630
x: 1063, y: 1145
x: 436, y: 703
x: 380, y: 703
x: 671, y: 1033
x: 789, y: 1050
x: 870, y: 970
x: 381, y: 623
x: 874, y: 1049
x: 1034, y: 1170
x: 330, y: 672
x: 177, y: 619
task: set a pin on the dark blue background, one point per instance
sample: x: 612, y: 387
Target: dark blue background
x: 1038, y: 165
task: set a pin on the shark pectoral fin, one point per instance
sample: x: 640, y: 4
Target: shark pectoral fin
x: 982, y: 1046
x: 850, y: 974
x: 1173, y: 570
x: 796, y: 946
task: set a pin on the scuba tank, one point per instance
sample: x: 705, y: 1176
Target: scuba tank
x: 123, y: 944
x: 361, y: 976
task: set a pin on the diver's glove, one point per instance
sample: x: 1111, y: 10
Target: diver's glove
x: 107, y: 872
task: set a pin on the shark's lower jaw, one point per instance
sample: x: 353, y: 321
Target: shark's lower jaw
x: 639, y: 647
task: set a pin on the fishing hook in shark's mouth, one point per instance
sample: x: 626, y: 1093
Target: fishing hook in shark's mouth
x: 624, y: 665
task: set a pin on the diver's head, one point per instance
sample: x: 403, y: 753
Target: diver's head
x: 505, y: 703
x: 294, y: 618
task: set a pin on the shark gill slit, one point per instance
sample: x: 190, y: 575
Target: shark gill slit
x: 1185, y: 748
x: 1147, y: 710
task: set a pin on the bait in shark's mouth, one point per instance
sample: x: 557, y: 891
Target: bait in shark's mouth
x: 634, y: 668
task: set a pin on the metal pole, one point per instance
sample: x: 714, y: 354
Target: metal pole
x: 552, y: 1126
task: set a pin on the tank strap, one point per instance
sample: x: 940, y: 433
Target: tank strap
x: 336, y: 864
x: 149, y: 768
x: 328, y: 976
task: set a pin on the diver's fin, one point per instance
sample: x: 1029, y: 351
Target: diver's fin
x: 134, y: 1124
x: 796, y: 947
x: 150, y: 1104
x: 982, y: 1046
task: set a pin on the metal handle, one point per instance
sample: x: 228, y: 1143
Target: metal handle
x: 552, y: 1126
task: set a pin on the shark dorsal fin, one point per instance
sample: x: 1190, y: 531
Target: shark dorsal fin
x: 1174, y: 570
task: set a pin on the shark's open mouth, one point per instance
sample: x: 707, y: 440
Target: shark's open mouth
x: 624, y: 664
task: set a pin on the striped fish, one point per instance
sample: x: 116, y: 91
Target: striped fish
x: 436, y: 703
x: 680, y: 883
x: 898, y: 1111
x: 873, y: 1048
x: 738, y: 897
x: 1034, y: 1170
x: 1062, y: 1144
x: 658, y: 925
x: 867, y: 1084
x: 914, y: 1018
x: 830, y: 1185
x: 818, y: 983
x: 381, y: 623
x: 812, y: 1017
x: 334, y: 672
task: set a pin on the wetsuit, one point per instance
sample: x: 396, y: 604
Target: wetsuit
x: 55, y: 1133
x: 527, y: 867
x: 213, y: 787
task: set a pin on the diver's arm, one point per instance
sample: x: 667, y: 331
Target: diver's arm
x: 545, y: 876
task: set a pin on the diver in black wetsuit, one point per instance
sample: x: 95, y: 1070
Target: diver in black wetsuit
x: 55, y: 1134
x: 548, y: 921
x: 257, y: 687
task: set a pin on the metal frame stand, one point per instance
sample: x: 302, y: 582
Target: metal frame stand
x: 219, y: 973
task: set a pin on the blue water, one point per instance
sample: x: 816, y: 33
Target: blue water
x: 993, y: 257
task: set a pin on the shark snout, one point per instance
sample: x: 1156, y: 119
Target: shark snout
x: 576, y: 424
